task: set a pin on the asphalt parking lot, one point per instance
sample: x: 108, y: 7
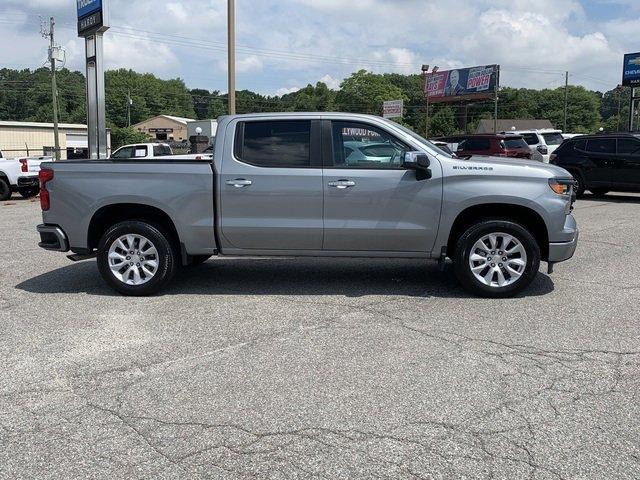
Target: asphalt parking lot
x: 330, y: 368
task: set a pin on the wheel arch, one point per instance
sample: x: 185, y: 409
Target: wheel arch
x: 522, y: 215
x: 109, y: 215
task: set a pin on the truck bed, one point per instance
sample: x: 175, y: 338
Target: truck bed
x: 181, y: 188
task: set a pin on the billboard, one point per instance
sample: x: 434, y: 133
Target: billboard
x: 631, y: 70
x: 92, y: 16
x: 392, y: 109
x: 463, y: 84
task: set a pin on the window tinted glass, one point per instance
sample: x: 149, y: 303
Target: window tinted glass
x: 161, y: 150
x: 601, y: 145
x: 126, y: 152
x: 552, y: 138
x: 530, y: 138
x: 276, y: 144
x: 580, y: 145
x: 515, y: 143
x: 357, y: 145
x: 628, y: 146
x: 474, y: 144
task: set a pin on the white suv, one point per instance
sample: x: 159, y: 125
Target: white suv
x: 542, y: 142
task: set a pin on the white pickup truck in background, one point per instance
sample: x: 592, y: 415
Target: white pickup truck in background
x: 20, y: 175
x: 140, y: 151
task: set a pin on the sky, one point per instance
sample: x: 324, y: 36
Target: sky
x: 286, y: 44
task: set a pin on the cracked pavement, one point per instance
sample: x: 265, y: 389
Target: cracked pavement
x: 322, y: 368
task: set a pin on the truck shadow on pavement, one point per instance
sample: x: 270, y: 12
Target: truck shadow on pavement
x: 285, y: 276
x: 611, y: 198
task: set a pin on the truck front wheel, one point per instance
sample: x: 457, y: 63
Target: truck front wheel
x: 136, y: 258
x: 496, y: 258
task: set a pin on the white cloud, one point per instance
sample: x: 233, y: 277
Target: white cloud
x: 285, y: 90
x: 331, y: 82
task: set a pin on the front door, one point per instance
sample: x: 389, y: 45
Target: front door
x: 271, y: 186
x: 371, y: 203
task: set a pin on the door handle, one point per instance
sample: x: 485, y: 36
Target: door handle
x: 239, y: 182
x: 342, y: 184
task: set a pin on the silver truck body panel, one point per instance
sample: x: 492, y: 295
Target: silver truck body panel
x: 294, y: 211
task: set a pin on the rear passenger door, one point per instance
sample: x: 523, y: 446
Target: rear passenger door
x: 271, y: 186
x: 626, y: 171
x: 601, y: 156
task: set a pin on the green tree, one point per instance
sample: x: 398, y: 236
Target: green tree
x: 125, y: 136
x: 364, y: 92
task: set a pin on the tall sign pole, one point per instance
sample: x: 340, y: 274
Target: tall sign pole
x: 93, y: 21
x: 231, y: 30
x: 631, y: 78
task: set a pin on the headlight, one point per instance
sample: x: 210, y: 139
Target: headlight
x: 561, y: 186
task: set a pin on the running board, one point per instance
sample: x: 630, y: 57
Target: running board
x: 77, y: 257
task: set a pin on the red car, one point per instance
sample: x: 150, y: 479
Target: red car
x: 496, y: 145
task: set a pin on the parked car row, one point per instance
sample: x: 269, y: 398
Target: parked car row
x: 150, y: 151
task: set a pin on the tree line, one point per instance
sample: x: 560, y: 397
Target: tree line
x: 25, y: 95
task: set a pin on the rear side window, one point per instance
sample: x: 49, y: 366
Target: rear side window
x: 474, y: 144
x: 161, y: 150
x: 530, y: 138
x: 601, y: 145
x: 628, y: 146
x: 512, y: 143
x: 274, y: 144
x: 552, y: 138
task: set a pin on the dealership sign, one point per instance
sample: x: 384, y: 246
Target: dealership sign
x: 92, y: 16
x: 462, y: 84
x: 392, y: 109
x: 631, y: 70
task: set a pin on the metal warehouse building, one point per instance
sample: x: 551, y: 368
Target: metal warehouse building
x: 23, y: 139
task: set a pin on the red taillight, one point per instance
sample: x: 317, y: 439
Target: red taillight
x: 45, y: 175
x: 25, y: 165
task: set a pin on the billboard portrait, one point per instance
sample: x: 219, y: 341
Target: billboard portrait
x: 463, y: 83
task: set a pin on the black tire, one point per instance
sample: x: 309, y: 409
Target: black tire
x: 5, y: 189
x: 467, y: 240
x: 166, y: 257
x: 580, y: 188
x: 199, y: 260
x: 599, y: 192
x: 28, y: 192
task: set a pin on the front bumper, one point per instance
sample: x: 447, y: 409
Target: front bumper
x: 559, y: 252
x: 28, y: 182
x: 52, y: 237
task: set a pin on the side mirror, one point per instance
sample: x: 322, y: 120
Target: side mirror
x: 415, y: 161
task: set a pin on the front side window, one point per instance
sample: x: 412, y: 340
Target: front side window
x: 601, y: 145
x: 283, y: 144
x: 124, y: 152
x: 161, y: 150
x: 357, y: 145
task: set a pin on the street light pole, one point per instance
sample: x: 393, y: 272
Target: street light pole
x: 231, y: 27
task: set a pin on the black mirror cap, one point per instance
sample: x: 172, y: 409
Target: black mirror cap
x: 415, y: 160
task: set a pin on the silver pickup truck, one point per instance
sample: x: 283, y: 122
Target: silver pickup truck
x: 311, y: 184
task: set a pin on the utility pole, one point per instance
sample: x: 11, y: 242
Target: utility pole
x: 54, y: 88
x: 566, y: 99
x: 129, y: 108
x: 231, y: 30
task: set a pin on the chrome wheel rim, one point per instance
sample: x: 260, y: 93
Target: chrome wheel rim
x: 498, y: 259
x: 133, y: 259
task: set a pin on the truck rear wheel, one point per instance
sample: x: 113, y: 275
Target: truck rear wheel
x: 496, y: 258
x: 136, y: 258
x: 5, y: 189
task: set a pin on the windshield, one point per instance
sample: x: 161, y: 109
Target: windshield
x: 553, y: 138
x: 419, y: 138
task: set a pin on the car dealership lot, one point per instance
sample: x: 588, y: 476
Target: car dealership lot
x: 337, y: 368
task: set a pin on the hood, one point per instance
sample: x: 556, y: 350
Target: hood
x: 519, y: 166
